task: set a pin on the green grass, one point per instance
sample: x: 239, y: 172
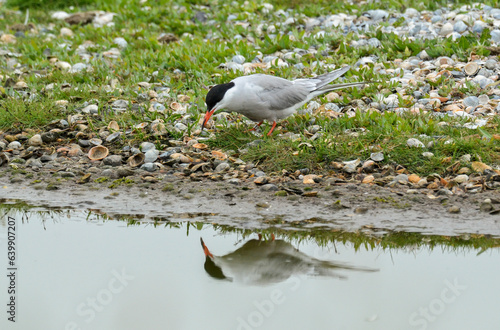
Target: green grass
x: 387, y: 132
x: 197, y: 54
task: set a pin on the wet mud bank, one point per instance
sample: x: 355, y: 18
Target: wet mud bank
x: 344, y: 207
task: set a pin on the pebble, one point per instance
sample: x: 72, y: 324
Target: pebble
x: 91, y: 109
x: 123, y: 172
x: 33, y: 162
x: 113, y: 160
x: 377, y: 156
x: 109, y: 173
x: 151, y: 155
x: 269, y: 187
x: 35, y: 140
x: 120, y: 42
x: 462, y: 178
x: 414, y: 143
x: 401, y: 178
x: 350, y: 166
x: 78, y: 67
x: 49, y: 137
x: 14, y: 145
x: 428, y: 154
x: 261, y: 180
x: 150, y: 167
x: 145, y: 146
x: 222, y: 167
x: 454, y: 209
x: 234, y: 181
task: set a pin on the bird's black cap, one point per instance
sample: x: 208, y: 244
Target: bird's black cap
x: 213, y: 270
x: 216, y: 94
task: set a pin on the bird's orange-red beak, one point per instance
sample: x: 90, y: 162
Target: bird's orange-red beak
x: 208, y: 114
x: 205, y: 249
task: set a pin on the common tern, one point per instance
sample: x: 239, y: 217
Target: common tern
x: 260, y: 262
x: 263, y: 97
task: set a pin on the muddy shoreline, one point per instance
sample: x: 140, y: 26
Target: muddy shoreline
x: 349, y: 207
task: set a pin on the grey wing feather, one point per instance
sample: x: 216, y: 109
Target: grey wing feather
x: 330, y: 76
x: 290, y: 96
x: 279, y: 93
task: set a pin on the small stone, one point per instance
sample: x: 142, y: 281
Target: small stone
x: 8, y: 38
x: 350, y: 166
x: 124, y: 172
x: 471, y: 101
x: 414, y: 143
x: 145, y: 146
x: 269, y: 187
x: 428, y: 154
x: 454, y: 209
x: 460, y: 27
x: 113, y: 137
x: 120, y: 42
x: 238, y: 59
x: 401, y: 178
x: 310, y: 194
x: 78, y: 67
x: 480, y: 167
x: 32, y: 162
x: 486, y: 207
x: 35, y: 140
x: 360, y: 210
x: 263, y: 205
x: 369, y: 166
x: 84, y: 179
x: 14, y: 145
x: 465, y: 158
x: 113, y: 160
x: 234, y: 181
x: 47, y: 158
x: 91, y: 109
x: 461, y: 178
x: 109, y: 173
x: 222, y: 167
x: 413, y: 178
x: 464, y: 170
x: 377, y: 156
x: 49, y: 137
x: 261, y: 180
x: 150, y: 167
x: 368, y: 179
x: 311, y: 179
x: 446, y: 29
x: 151, y: 155
x: 68, y: 175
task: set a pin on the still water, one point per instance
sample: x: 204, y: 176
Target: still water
x: 79, y: 270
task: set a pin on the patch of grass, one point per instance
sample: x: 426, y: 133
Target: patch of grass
x: 45, y: 5
x: 348, y: 138
x: 101, y: 179
x: 189, y: 65
x: 118, y: 182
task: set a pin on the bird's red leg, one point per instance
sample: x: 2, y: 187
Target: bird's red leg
x: 272, y: 237
x: 274, y: 125
x: 255, y: 127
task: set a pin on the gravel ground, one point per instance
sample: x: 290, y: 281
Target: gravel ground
x: 346, y: 206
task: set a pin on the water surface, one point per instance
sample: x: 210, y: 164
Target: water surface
x: 77, y: 270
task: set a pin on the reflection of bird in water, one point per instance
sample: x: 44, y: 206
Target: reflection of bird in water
x: 264, y: 262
